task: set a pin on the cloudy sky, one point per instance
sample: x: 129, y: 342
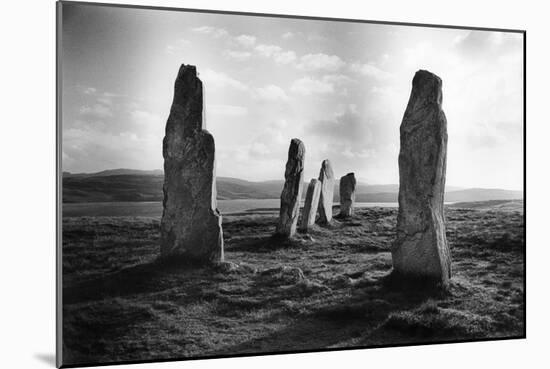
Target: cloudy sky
x: 341, y: 88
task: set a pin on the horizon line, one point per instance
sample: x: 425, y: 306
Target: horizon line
x: 282, y: 179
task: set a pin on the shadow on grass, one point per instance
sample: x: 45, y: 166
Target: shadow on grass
x: 143, y: 278
x: 265, y: 244
x: 343, y: 322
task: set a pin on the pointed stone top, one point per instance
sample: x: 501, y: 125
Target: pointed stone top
x: 349, y: 178
x: 187, y: 105
x: 187, y: 72
x: 425, y: 74
x: 427, y: 86
x: 187, y: 80
x: 297, y: 148
x: 326, y: 170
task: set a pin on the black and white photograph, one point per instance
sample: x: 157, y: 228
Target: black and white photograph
x: 235, y: 184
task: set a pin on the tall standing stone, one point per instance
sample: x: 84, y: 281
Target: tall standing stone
x: 292, y: 190
x: 326, y: 176
x: 347, y: 194
x: 191, y: 224
x: 421, y: 249
x: 310, y: 206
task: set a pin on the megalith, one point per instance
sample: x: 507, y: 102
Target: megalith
x: 311, y: 203
x: 191, y: 225
x: 347, y: 195
x: 292, y: 189
x: 326, y: 177
x: 420, y: 249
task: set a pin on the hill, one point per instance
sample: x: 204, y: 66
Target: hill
x: 115, y: 172
x: 491, y: 205
x: 137, y: 185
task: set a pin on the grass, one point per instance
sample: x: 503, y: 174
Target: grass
x: 328, y: 288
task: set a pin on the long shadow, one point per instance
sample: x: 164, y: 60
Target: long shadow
x: 331, y: 325
x: 149, y: 277
x: 160, y: 275
x: 264, y: 244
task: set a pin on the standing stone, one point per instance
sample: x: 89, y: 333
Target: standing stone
x: 326, y: 176
x: 347, y: 194
x: 421, y: 249
x: 292, y: 190
x: 191, y: 224
x: 310, y: 206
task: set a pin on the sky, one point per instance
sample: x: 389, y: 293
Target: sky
x: 340, y: 87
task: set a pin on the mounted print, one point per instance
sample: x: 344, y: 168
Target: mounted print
x: 240, y: 184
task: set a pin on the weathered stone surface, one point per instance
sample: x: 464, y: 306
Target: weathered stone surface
x: 326, y: 176
x: 310, y: 206
x: 347, y: 194
x: 191, y: 224
x: 292, y: 190
x: 421, y: 249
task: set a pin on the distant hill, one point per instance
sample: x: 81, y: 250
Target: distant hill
x: 500, y: 205
x: 116, y: 172
x: 482, y: 194
x: 464, y: 195
x: 105, y: 188
x: 141, y: 185
x: 233, y: 188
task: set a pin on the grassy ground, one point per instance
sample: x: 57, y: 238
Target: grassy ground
x: 327, y: 289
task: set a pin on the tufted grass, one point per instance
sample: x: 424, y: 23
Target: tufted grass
x: 321, y: 290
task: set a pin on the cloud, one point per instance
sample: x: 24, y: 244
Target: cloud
x: 92, y: 91
x: 211, y: 31
x: 346, y: 126
x: 246, y: 40
x: 476, y: 45
x: 238, y: 55
x: 143, y: 117
x: 327, y: 84
x: 416, y: 56
x: 89, y: 91
x: 337, y: 78
x: 285, y: 57
x: 370, y: 70
x: 320, y: 62
x: 98, y: 104
x: 217, y: 80
x: 309, y: 86
x: 276, y: 53
x: 230, y: 110
x: 491, y: 134
x: 96, y: 110
x: 270, y: 93
x: 88, y: 149
x: 268, y: 50
x: 105, y: 100
x: 316, y: 38
x: 287, y: 35
x: 259, y: 149
x: 178, y: 46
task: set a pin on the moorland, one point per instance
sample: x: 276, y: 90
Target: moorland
x: 329, y: 288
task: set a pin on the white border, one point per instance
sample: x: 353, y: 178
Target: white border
x: 28, y: 181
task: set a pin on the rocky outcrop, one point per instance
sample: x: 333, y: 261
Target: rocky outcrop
x: 347, y: 195
x: 292, y: 190
x: 326, y: 177
x: 420, y: 249
x: 311, y: 203
x: 191, y: 224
